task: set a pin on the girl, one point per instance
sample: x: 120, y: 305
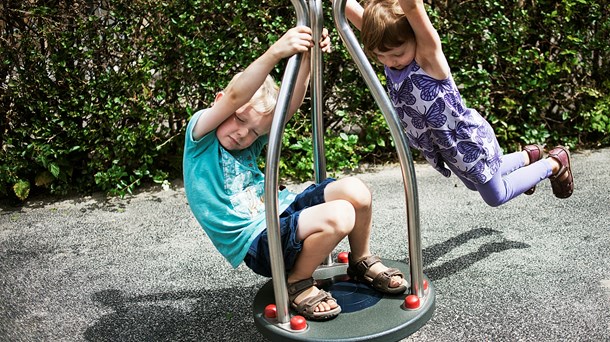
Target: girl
x: 451, y: 136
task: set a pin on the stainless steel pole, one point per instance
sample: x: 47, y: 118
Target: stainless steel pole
x: 316, y: 18
x: 316, y: 89
x: 272, y: 170
x: 404, y: 154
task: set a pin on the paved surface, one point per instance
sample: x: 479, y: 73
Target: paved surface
x: 140, y: 269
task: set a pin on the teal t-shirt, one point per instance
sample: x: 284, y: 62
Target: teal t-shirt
x: 225, y: 190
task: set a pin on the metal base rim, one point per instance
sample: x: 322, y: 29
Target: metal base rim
x: 387, y: 320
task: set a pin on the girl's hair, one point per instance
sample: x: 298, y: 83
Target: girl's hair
x: 384, y: 26
x: 265, y: 98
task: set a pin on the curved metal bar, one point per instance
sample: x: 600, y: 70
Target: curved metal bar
x: 317, y: 96
x: 316, y: 84
x: 272, y: 170
x: 404, y: 154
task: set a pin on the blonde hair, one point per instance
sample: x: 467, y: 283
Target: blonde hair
x: 384, y: 26
x: 265, y: 98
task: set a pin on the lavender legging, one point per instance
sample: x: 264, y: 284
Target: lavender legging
x: 511, y: 180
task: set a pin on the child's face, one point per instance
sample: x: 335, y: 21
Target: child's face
x: 398, y: 57
x: 242, y: 128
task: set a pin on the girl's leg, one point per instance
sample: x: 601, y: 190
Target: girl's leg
x: 501, y: 189
x: 512, y: 162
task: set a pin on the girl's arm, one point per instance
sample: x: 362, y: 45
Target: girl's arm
x: 296, y: 40
x: 353, y: 12
x: 429, y: 53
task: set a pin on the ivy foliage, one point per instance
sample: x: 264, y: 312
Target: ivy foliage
x: 95, y: 94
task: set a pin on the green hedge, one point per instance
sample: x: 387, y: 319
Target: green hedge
x: 95, y: 95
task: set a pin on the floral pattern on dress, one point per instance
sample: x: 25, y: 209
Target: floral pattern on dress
x: 437, y: 123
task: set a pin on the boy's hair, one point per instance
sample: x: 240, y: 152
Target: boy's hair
x: 384, y: 26
x: 265, y: 98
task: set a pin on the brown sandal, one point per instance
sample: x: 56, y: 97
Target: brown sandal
x: 563, y: 186
x: 307, y: 306
x: 357, y: 270
x: 534, y: 153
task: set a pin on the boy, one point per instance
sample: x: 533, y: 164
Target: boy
x: 224, y: 188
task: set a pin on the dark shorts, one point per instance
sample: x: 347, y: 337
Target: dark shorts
x: 258, y: 258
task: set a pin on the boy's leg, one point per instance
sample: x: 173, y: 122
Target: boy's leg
x: 321, y: 228
x: 347, y: 211
x: 359, y: 196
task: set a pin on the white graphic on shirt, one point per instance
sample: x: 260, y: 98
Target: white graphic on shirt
x: 244, y: 184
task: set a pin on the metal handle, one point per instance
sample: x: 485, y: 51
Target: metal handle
x: 272, y: 170
x: 404, y: 154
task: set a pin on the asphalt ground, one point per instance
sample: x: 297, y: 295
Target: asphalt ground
x: 141, y: 269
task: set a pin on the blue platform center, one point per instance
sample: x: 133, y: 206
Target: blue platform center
x: 352, y: 296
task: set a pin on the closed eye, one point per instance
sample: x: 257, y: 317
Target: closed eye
x: 244, y: 121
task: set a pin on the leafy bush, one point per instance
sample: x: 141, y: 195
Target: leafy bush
x: 537, y: 70
x: 96, y: 94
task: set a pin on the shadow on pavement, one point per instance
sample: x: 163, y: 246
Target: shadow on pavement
x: 203, y: 315
x: 226, y: 314
x: 451, y: 267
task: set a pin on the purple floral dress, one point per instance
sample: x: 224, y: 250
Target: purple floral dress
x: 437, y: 123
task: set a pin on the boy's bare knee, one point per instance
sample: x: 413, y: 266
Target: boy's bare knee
x: 357, y: 192
x: 342, y: 218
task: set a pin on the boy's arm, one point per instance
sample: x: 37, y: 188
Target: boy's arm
x: 302, y: 82
x: 296, y: 40
x: 429, y: 53
x: 300, y: 87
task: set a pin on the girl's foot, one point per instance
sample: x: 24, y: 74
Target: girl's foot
x: 312, y: 303
x: 534, y: 154
x: 562, y: 181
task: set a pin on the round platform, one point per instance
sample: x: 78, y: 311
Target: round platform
x: 366, y: 314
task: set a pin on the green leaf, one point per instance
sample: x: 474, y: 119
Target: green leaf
x: 54, y: 169
x: 22, y: 189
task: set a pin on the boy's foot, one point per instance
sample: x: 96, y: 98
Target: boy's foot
x: 562, y: 181
x: 534, y: 153
x: 371, y: 271
x: 311, y: 302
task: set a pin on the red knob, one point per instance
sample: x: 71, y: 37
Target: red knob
x: 412, y: 302
x: 298, y: 323
x: 271, y: 311
x: 343, y: 257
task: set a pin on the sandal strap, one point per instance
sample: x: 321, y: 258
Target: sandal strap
x: 383, y: 279
x: 310, y: 303
x: 364, y: 264
x: 390, y: 272
x: 563, y: 166
x: 296, y: 288
x: 534, y: 152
